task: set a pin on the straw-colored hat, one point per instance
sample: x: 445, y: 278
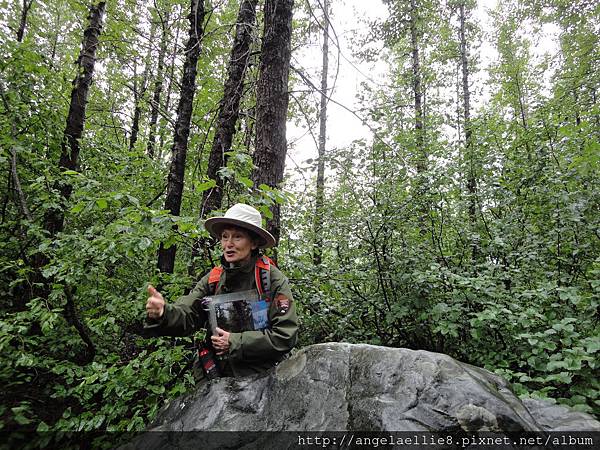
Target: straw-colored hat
x: 243, y: 216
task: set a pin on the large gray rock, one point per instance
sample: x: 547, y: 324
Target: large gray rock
x: 339, y: 387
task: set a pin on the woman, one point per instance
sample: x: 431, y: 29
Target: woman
x: 247, y: 352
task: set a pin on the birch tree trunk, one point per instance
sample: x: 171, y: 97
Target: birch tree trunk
x: 320, y: 192
x: 166, y: 256
x: 469, y: 150
x: 420, y: 151
x: 272, y: 100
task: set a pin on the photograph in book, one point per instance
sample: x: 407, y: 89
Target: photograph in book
x: 238, y: 312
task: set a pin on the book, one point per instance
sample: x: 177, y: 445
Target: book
x: 238, y: 311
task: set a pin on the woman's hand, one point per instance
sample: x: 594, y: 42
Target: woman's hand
x: 155, y: 306
x: 221, y: 342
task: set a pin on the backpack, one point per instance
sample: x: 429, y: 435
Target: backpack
x: 262, y: 276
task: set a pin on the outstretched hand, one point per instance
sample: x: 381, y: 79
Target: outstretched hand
x: 220, y: 341
x: 155, y: 306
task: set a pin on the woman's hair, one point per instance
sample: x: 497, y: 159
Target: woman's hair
x: 256, y: 239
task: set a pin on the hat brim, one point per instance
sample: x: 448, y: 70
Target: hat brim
x: 215, y: 224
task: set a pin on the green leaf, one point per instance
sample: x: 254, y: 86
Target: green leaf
x: 144, y: 243
x: 554, y: 365
x: 246, y: 181
x: 592, y: 345
x: 98, y: 420
x: 201, y: 187
x: 78, y: 208
x: 133, y: 200
x: 22, y: 420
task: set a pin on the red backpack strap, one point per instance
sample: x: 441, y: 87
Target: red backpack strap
x: 262, y: 274
x: 213, y: 279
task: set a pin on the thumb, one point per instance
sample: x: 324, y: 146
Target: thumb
x: 153, y: 292
x: 219, y: 331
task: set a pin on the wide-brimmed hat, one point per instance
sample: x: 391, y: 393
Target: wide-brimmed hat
x: 243, y: 216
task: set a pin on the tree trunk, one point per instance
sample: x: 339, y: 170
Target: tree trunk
x: 71, y: 315
x: 23, y: 23
x: 417, y: 89
x: 137, y: 110
x: 421, y: 154
x: 166, y: 256
x: 320, y: 192
x: 469, y: 149
x: 230, y: 104
x: 158, y: 86
x: 229, y: 110
x: 69, y: 158
x: 22, y: 201
x: 272, y: 100
x: 169, y: 90
x: 139, y: 91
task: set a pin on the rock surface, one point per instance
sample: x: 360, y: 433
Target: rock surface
x: 339, y: 387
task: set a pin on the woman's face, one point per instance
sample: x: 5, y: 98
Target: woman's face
x: 237, y: 245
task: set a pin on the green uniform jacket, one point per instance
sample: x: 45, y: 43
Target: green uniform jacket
x: 250, y: 351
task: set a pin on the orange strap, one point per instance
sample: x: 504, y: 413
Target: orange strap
x: 262, y: 274
x: 264, y: 262
x: 214, y: 277
x: 215, y: 274
x: 262, y: 269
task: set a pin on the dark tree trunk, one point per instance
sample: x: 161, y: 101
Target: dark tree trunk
x: 139, y: 91
x: 137, y: 110
x: 69, y: 158
x: 23, y: 23
x: 320, y: 193
x: 272, y: 100
x: 158, y: 86
x: 230, y: 104
x: 166, y: 256
x: 229, y: 109
x: 16, y: 181
x: 169, y: 90
x: 135, y: 126
x: 71, y: 315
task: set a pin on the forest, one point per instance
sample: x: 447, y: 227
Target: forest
x: 465, y: 221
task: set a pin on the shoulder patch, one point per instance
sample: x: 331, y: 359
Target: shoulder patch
x: 283, y: 304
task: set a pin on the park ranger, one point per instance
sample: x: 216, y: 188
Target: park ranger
x: 242, y: 269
